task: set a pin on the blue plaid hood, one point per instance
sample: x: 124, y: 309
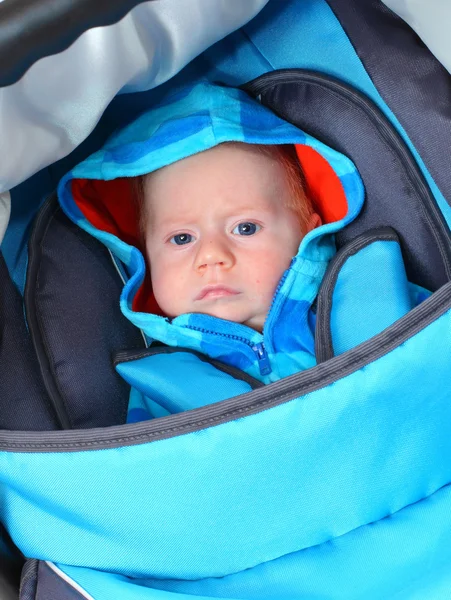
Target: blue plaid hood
x: 192, y: 121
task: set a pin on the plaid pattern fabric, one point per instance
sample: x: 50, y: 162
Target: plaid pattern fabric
x: 194, y: 120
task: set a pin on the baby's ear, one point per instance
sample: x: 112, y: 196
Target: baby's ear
x: 313, y: 222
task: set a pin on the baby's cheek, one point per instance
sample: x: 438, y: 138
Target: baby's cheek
x: 172, y: 290
x: 263, y: 291
x: 161, y: 286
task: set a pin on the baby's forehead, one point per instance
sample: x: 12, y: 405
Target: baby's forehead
x: 229, y: 177
x: 230, y: 157
x: 170, y: 212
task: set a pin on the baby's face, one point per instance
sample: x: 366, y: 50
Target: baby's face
x: 218, y: 233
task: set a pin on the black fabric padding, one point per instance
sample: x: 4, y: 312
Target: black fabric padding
x: 40, y: 582
x: 413, y: 83
x: 32, y: 29
x: 392, y: 197
x: 24, y: 403
x: 72, y: 303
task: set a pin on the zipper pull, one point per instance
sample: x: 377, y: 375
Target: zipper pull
x: 263, y: 359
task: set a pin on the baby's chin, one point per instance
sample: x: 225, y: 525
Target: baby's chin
x: 236, y: 315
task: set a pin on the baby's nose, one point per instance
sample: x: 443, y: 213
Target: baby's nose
x: 214, y: 253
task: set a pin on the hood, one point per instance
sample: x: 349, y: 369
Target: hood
x: 97, y: 195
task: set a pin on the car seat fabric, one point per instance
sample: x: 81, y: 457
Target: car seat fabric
x: 331, y: 483
x: 44, y: 581
x: 72, y: 279
x: 23, y: 399
x: 366, y: 25
x: 316, y: 413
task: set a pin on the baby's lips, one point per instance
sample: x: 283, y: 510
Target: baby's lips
x: 216, y: 289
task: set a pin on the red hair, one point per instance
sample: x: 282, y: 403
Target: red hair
x: 298, y: 199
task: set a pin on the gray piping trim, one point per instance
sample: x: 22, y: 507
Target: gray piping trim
x: 253, y: 402
x: 324, y: 349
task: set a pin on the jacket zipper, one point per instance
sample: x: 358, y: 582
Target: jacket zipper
x: 276, y: 293
x: 431, y: 213
x: 258, y: 349
x: 263, y: 358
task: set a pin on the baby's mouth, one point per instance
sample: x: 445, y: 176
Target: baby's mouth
x: 215, y: 291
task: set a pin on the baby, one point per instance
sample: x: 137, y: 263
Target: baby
x: 221, y: 227
x: 228, y: 195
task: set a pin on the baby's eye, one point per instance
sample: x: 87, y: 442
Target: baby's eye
x: 181, y: 239
x: 246, y: 228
